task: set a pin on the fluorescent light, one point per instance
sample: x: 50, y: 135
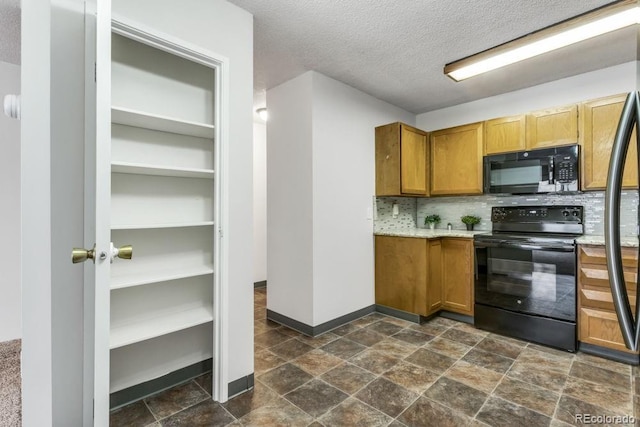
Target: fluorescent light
x: 592, y: 24
x: 262, y: 112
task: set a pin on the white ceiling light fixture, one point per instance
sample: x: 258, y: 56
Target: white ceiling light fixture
x: 262, y: 112
x: 591, y: 24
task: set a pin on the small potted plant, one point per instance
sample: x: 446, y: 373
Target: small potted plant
x: 431, y: 221
x: 470, y: 221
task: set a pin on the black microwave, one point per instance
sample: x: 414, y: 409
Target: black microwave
x: 547, y: 170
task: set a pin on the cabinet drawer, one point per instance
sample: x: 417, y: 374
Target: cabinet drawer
x: 602, y: 299
x: 598, y: 276
x: 596, y: 255
x: 600, y: 327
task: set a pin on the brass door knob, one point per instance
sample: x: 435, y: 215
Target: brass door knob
x: 81, y: 255
x: 124, y: 252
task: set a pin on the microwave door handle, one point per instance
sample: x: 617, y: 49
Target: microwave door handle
x: 552, y: 168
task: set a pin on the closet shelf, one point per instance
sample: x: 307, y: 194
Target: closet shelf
x: 155, y: 276
x: 158, y: 170
x: 162, y: 324
x: 126, y: 116
x: 164, y: 225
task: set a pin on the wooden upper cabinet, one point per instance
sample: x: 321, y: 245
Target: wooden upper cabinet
x: 551, y: 127
x: 457, y: 275
x: 456, y: 160
x: 402, y: 159
x: 598, y: 124
x: 504, y: 135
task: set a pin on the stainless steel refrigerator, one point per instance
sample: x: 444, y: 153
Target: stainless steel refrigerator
x: 628, y: 321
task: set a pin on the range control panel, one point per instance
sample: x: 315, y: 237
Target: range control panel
x: 539, y: 214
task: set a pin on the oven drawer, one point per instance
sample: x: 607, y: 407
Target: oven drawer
x: 597, y: 255
x: 600, y: 327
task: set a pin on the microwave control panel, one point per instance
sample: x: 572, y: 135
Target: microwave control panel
x: 566, y: 170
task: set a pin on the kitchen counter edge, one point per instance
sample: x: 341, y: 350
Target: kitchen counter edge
x: 423, y: 233
x: 628, y: 241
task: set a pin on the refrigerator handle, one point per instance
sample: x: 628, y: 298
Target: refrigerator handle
x: 628, y: 119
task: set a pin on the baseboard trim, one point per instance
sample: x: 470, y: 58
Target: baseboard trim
x: 607, y: 353
x: 456, y: 316
x: 394, y: 312
x: 140, y: 391
x: 314, y: 331
x: 240, y: 385
x: 261, y: 284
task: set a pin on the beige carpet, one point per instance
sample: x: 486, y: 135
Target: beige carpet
x: 10, y: 400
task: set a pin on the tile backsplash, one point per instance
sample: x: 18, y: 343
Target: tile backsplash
x: 411, y: 211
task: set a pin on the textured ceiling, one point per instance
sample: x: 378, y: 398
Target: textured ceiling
x: 10, y: 31
x: 395, y: 50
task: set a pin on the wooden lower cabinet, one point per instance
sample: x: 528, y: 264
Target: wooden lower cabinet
x: 401, y: 273
x: 434, y: 284
x: 457, y: 275
x: 597, y: 320
x: 413, y: 274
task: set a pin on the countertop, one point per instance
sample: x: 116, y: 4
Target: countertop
x: 595, y: 239
x: 425, y: 233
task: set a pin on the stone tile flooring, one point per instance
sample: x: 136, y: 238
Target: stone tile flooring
x: 379, y: 371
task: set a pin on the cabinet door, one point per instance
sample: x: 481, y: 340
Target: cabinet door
x: 598, y: 124
x: 413, y: 162
x: 504, y: 134
x: 457, y: 275
x: 551, y: 127
x: 456, y: 160
x: 600, y: 327
x: 401, y: 273
x: 434, y: 282
x: 388, y: 160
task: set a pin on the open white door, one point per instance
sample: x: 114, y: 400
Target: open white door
x: 66, y: 334
x: 97, y: 211
x: 103, y: 162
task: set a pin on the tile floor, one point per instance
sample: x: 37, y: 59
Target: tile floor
x: 379, y: 371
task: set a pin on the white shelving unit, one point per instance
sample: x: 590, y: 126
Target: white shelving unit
x: 162, y: 203
x: 145, y: 278
x: 143, y: 169
x: 158, y: 326
x: 139, y: 119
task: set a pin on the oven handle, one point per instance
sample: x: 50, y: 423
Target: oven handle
x: 564, y: 248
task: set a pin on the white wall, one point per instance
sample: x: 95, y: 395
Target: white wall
x: 290, y: 201
x: 259, y: 202
x: 10, y: 322
x: 36, y: 207
x: 220, y: 27
x: 343, y: 187
x: 321, y: 179
x: 595, y: 84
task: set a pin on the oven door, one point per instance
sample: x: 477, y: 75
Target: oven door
x: 535, y: 279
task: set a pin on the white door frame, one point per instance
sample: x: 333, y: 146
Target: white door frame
x: 97, y: 347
